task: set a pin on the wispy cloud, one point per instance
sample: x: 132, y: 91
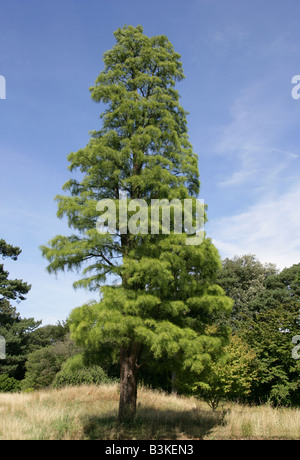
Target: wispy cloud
x: 252, y: 141
x: 270, y: 229
x: 230, y: 34
x: 263, y: 162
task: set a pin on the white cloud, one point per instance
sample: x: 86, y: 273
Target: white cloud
x: 253, y: 142
x: 262, y: 158
x: 270, y: 229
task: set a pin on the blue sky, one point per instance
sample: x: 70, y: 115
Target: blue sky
x: 239, y: 57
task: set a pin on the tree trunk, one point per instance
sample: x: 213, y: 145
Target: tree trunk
x: 128, y: 382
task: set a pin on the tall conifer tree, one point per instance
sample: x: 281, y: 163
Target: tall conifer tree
x: 167, y: 295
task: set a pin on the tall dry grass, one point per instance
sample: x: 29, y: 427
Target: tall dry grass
x: 53, y: 414
x: 90, y: 412
x: 260, y: 422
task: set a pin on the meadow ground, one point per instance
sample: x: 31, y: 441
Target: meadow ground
x: 90, y: 412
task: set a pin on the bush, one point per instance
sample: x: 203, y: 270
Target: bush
x: 75, y: 372
x: 8, y: 384
x: 43, y: 364
x: 228, y: 377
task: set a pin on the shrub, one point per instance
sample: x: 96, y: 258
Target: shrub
x: 75, y: 372
x: 8, y: 384
x: 230, y: 377
x: 43, y: 364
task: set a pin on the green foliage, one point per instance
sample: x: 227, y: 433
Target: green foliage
x: 75, y: 372
x: 44, y: 363
x: 169, y: 317
x: 266, y: 316
x: 142, y: 149
x: 48, y: 335
x: 8, y: 384
x: 227, y: 375
x: 244, y: 280
x: 11, y: 289
x: 15, y: 330
x: 230, y: 376
x: 270, y: 334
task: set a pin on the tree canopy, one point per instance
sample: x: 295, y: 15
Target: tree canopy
x: 167, y: 291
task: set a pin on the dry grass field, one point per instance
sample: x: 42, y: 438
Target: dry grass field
x: 90, y: 412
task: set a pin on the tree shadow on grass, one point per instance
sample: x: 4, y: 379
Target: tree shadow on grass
x: 154, y: 424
